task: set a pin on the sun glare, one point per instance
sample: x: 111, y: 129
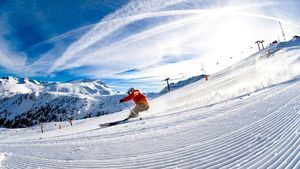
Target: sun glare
x: 231, y: 35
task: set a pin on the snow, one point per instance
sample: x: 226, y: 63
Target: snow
x: 246, y: 116
x: 2, y: 158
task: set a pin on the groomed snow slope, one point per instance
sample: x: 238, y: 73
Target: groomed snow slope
x: 247, y: 116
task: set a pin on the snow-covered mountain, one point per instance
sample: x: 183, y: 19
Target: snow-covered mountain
x: 10, y: 86
x: 27, y: 102
x: 85, y: 87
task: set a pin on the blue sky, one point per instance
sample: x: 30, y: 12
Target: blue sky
x: 135, y: 43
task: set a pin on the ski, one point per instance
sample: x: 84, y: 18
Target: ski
x: 113, y: 123
x: 116, y: 122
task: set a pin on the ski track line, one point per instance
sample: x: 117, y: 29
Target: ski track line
x: 283, y: 161
x: 217, y: 148
x: 274, y: 136
x: 254, y: 151
x: 225, y: 151
x: 281, y: 148
x: 268, y: 145
x: 293, y: 162
x: 297, y: 161
x: 232, y: 153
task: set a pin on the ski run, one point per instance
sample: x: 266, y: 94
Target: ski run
x: 246, y: 116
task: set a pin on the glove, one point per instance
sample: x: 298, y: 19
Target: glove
x: 122, y: 100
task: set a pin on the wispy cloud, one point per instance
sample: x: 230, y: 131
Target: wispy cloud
x: 72, y: 33
x: 105, y: 28
x: 150, y: 46
x: 11, y: 61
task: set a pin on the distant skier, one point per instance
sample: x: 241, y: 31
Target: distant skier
x: 140, y: 100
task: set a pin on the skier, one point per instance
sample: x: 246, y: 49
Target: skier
x: 140, y: 100
x: 141, y: 104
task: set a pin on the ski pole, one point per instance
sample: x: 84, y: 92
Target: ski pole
x: 130, y: 109
x: 127, y: 106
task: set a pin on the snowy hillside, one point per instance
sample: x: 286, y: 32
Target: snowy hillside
x: 246, y: 116
x: 26, y: 102
x: 25, y: 110
x: 182, y: 83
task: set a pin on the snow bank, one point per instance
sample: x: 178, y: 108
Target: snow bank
x: 2, y: 158
x: 244, y: 78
